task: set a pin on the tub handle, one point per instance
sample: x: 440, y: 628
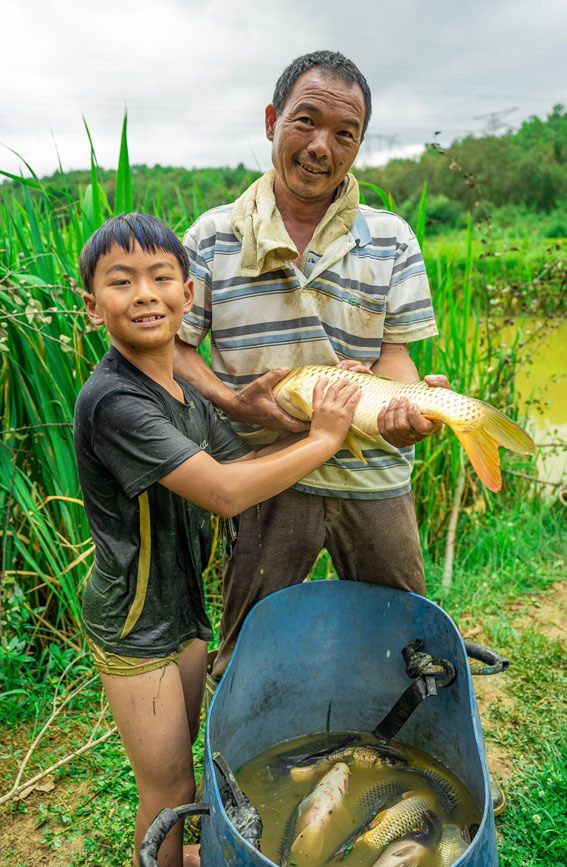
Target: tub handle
x: 493, y: 662
x: 428, y: 673
x: 241, y: 813
x: 162, y: 824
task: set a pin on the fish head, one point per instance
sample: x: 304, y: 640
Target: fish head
x: 390, y: 762
x: 290, y: 399
x: 281, y: 385
x: 371, y: 756
x: 406, y: 852
x: 386, y: 748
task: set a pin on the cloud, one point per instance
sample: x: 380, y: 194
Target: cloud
x: 196, y: 76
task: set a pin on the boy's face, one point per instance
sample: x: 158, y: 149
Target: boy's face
x: 140, y: 297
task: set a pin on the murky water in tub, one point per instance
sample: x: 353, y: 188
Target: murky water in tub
x: 420, y: 803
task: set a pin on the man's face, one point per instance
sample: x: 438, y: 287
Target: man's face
x: 317, y: 135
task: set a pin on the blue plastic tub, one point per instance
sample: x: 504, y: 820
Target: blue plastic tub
x: 330, y: 651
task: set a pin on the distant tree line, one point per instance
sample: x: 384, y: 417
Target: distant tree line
x: 524, y: 170
x: 519, y: 174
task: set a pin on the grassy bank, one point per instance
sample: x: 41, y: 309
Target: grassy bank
x: 507, y: 593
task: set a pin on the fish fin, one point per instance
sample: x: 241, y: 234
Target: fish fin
x: 299, y: 402
x: 352, y: 445
x: 376, y: 820
x: 381, y: 376
x: 287, y: 836
x: 362, y: 433
x: 481, y: 444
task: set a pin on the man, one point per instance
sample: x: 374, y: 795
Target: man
x: 297, y: 272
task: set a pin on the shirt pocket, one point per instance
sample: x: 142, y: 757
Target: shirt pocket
x: 353, y: 320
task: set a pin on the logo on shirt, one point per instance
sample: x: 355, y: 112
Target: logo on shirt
x: 204, y: 444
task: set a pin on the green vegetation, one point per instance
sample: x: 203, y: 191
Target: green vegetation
x: 480, y: 279
x: 500, y: 578
x: 519, y: 179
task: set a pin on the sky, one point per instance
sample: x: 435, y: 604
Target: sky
x: 195, y: 77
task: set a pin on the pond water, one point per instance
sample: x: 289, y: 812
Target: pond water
x: 544, y: 378
x: 304, y: 827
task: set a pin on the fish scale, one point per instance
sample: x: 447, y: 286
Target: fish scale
x: 480, y: 427
x: 441, y: 786
x: 453, y: 843
x: 413, y: 813
x: 369, y: 804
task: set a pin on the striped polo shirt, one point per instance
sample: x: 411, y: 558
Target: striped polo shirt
x: 367, y: 287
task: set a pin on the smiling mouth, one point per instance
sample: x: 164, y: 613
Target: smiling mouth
x: 313, y: 170
x: 152, y: 318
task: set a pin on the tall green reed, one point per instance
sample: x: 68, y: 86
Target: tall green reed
x: 49, y: 349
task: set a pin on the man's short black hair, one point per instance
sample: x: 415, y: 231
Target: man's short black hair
x: 336, y: 65
x: 125, y: 231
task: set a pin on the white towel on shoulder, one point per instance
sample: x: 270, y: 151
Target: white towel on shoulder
x: 266, y: 244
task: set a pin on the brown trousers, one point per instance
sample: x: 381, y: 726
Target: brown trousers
x: 278, y: 542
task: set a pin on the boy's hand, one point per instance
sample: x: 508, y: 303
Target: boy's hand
x: 333, y: 410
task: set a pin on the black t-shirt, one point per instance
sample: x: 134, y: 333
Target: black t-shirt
x: 145, y: 594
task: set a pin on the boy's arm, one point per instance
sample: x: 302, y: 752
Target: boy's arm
x: 277, y: 446
x: 228, y: 489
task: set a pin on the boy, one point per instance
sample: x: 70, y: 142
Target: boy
x: 154, y: 458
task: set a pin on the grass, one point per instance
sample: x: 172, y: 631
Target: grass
x: 500, y: 579
x: 49, y: 349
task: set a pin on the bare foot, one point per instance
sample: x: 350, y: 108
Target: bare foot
x: 191, y: 856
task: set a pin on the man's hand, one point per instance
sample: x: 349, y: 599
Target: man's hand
x: 401, y: 424
x: 352, y: 364
x: 256, y: 404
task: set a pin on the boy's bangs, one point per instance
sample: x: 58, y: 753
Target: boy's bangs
x: 126, y: 231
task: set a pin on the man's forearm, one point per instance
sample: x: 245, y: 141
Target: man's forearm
x: 254, y: 404
x: 395, y: 362
x: 188, y: 363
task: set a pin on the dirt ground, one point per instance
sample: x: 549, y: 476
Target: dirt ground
x: 550, y: 618
x: 21, y: 833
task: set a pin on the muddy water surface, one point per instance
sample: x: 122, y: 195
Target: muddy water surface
x: 544, y: 378
x: 267, y: 781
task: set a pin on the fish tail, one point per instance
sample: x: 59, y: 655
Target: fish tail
x: 481, y: 444
x: 508, y: 433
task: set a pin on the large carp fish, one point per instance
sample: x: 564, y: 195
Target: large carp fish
x: 480, y: 427
x: 311, y: 819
